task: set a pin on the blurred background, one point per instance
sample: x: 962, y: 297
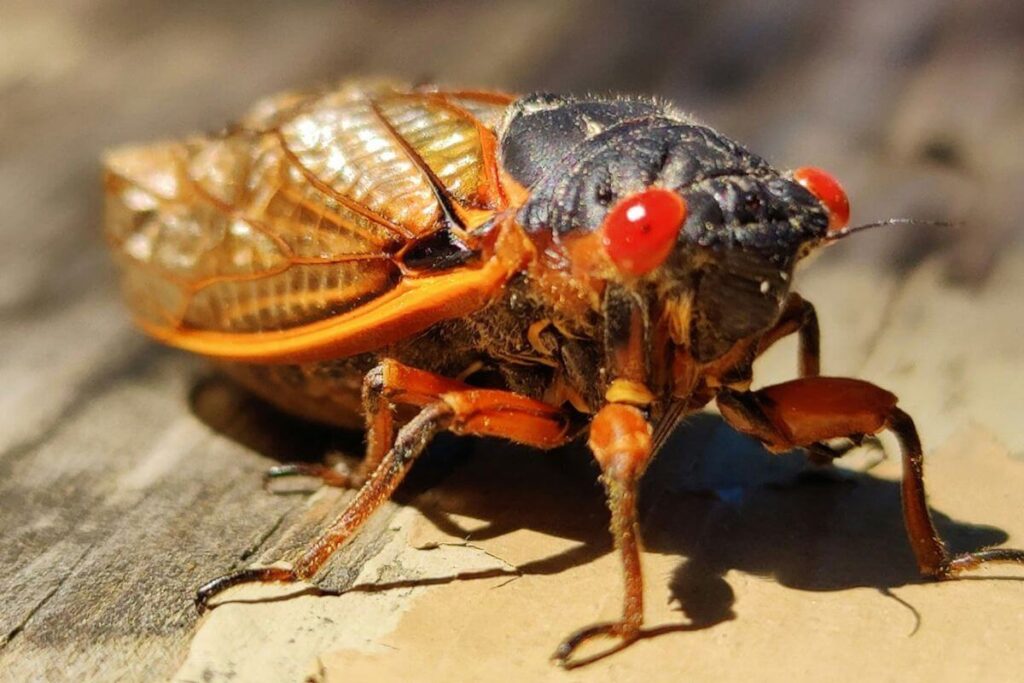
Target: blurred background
x: 917, y: 105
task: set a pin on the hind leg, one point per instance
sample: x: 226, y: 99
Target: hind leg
x: 384, y: 387
x: 446, y: 405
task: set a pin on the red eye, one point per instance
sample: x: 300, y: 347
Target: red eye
x: 639, y: 231
x: 829, y: 192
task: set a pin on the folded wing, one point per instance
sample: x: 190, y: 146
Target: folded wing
x: 296, y: 218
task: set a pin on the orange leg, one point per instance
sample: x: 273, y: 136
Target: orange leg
x: 384, y: 386
x: 621, y: 440
x: 392, y: 383
x: 446, y: 405
x: 804, y: 412
x: 379, y: 434
x: 798, y: 315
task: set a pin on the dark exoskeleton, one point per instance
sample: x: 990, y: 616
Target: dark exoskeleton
x: 648, y: 263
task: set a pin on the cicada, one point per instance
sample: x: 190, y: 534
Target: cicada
x: 540, y: 268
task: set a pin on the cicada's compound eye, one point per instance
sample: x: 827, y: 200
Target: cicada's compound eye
x: 829, y: 192
x: 639, y: 232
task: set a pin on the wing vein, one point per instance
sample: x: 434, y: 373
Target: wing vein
x: 347, y: 202
x: 444, y: 199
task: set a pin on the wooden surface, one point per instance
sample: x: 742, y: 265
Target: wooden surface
x: 129, y: 474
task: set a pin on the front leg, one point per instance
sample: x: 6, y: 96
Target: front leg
x: 798, y: 315
x: 807, y: 411
x: 621, y: 441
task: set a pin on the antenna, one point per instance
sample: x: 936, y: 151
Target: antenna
x: 845, y: 232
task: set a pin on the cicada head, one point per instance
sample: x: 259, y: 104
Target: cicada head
x: 730, y: 272
x: 708, y: 230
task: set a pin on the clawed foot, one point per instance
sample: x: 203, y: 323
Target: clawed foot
x: 956, y: 564
x: 328, y: 476
x: 621, y: 634
x: 257, y: 575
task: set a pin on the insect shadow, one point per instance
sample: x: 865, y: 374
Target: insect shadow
x: 712, y: 496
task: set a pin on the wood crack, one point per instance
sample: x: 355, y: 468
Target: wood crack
x: 257, y: 546
x: 20, y: 626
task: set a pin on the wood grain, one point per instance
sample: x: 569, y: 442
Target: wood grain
x: 129, y: 474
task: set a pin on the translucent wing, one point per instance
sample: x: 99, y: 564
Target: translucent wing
x: 298, y: 214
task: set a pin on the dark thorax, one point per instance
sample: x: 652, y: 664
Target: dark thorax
x: 722, y: 285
